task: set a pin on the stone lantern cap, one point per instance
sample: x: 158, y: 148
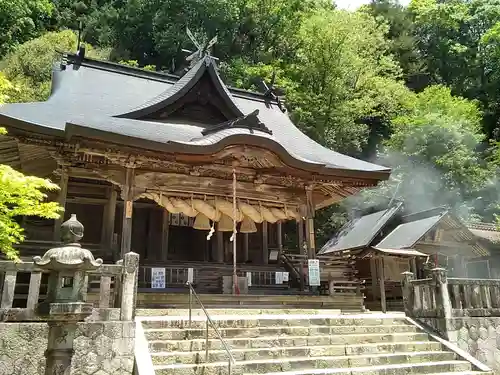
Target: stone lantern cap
x: 71, y: 255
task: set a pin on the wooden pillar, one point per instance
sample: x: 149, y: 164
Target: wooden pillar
x: 245, y: 247
x: 373, y: 271
x: 265, y: 244
x: 61, y: 199
x: 151, y: 251
x: 300, y: 231
x: 128, y: 206
x: 108, y: 222
x: 413, y: 266
x: 165, y: 229
x: 382, y: 284
x: 310, y: 235
x: 220, y: 246
x: 279, y: 234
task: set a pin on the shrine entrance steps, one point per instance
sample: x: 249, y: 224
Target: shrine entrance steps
x: 346, y: 302
x: 292, y: 342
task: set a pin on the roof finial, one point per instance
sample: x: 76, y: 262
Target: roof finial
x: 202, y: 49
x: 273, y: 92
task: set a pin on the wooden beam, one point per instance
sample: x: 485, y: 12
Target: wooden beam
x: 265, y: 244
x: 182, y: 185
x: 128, y: 198
x: 164, y: 235
x: 61, y: 199
x: 186, y: 184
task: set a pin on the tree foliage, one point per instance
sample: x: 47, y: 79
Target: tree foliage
x: 20, y: 195
x: 458, y: 43
x: 29, y: 67
x: 433, y: 150
x: 21, y: 20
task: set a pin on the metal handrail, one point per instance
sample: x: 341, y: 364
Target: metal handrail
x: 192, y: 293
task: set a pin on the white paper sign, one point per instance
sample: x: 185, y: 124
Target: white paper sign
x: 158, y: 278
x: 313, y: 271
x: 249, y: 278
x: 279, y: 278
x: 190, y: 275
x: 285, y: 277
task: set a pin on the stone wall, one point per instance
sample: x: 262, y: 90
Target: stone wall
x: 101, y: 348
x: 479, y: 336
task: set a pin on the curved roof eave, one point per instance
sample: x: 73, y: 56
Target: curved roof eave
x: 26, y: 126
x: 73, y: 129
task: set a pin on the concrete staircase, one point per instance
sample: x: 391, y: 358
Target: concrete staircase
x: 295, y: 343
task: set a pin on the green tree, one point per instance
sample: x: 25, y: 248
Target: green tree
x: 457, y: 41
x: 433, y: 150
x: 345, y: 77
x: 29, y: 66
x: 401, y: 34
x: 20, y: 195
x: 21, y: 20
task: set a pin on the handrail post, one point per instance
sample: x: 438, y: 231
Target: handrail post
x: 206, y: 342
x: 190, y: 303
x: 443, y: 297
x: 129, y: 286
x: 408, y: 294
x: 192, y: 293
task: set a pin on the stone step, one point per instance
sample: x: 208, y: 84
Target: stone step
x: 428, y: 368
x: 267, y: 321
x: 248, y: 354
x: 259, y: 311
x: 286, y: 341
x: 306, y: 363
x: 182, y: 334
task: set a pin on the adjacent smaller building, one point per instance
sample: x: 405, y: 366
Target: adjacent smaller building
x: 402, y: 241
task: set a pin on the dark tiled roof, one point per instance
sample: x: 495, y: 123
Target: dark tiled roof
x: 407, y: 234
x: 89, y: 95
x: 359, y: 232
x: 487, y: 231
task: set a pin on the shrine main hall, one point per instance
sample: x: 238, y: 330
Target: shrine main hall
x: 183, y: 170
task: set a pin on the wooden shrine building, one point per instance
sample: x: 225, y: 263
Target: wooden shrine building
x: 151, y: 162
x: 406, y: 241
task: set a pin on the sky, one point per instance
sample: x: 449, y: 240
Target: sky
x: 355, y: 4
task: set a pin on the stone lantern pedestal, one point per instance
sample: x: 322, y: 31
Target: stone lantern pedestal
x: 65, y: 305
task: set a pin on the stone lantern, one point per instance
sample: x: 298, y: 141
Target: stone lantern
x: 64, y: 306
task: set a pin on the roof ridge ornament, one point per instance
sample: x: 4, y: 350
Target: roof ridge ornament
x: 273, y: 92
x: 203, y: 49
x: 249, y: 121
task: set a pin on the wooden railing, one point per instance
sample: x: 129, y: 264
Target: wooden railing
x: 23, y: 285
x: 443, y: 297
x: 424, y: 298
x: 474, y: 297
x: 176, y: 276
x: 337, y: 273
